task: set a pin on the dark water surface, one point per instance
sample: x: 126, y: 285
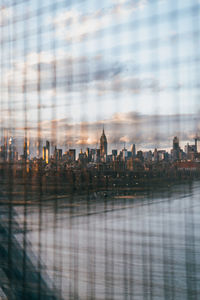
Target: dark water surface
x: 144, y: 246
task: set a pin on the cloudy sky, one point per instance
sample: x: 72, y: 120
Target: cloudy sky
x: 70, y: 67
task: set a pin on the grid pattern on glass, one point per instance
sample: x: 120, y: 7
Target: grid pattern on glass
x: 99, y: 118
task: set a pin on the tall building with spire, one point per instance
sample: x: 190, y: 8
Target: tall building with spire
x: 26, y: 148
x: 103, y: 144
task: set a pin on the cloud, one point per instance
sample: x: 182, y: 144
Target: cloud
x: 6, y: 14
x: 124, y: 139
x: 67, y: 70
x: 130, y: 83
x: 147, y: 131
x: 68, y: 73
x: 75, y: 26
x: 85, y: 141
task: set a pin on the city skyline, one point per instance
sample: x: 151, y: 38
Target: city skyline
x: 9, y: 150
x: 119, y: 82
x: 88, y: 134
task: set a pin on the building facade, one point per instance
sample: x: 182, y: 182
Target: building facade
x: 103, y: 145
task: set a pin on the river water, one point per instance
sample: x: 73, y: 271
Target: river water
x: 142, y: 246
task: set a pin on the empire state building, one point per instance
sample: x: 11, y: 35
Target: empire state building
x: 103, y: 144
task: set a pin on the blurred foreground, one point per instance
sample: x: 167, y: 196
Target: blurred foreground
x: 127, y: 244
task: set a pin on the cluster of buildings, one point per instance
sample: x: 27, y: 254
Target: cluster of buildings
x: 100, y: 155
x: 128, y: 159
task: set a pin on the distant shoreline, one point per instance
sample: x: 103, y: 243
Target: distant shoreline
x: 21, y: 195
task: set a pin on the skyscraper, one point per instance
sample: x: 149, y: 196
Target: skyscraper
x: 46, y: 152
x: 26, y: 148
x: 176, y: 143
x: 133, y: 150
x: 103, y: 144
x: 176, y: 149
x: 72, y: 154
x: 11, y: 149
